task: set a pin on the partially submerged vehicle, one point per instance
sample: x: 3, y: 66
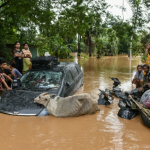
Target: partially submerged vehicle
x: 127, y: 108
x: 58, y: 78
x: 116, y: 90
x: 105, y: 98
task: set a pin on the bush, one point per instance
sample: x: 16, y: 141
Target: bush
x: 55, y: 45
x: 144, y: 58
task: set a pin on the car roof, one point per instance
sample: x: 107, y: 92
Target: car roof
x: 60, y: 66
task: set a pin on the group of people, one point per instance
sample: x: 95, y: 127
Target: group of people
x: 142, y: 76
x: 11, y: 73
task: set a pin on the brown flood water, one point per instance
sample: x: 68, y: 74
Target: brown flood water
x: 101, y: 131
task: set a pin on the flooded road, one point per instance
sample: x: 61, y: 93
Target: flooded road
x: 101, y: 131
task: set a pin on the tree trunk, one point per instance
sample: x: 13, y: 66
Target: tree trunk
x: 4, y: 4
x: 79, y: 46
x: 90, y: 47
x: 98, y: 54
x: 89, y: 43
x: 68, y: 44
x: 90, y: 50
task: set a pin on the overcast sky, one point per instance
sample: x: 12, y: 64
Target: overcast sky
x: 117, y: 11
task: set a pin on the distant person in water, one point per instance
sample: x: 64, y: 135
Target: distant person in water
x: 26, y: 61
x: 139, y: 77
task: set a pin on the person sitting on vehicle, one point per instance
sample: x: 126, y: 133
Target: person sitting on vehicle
x: 2, y: 82
x: 16, y: 82
x: 12, y: 66
x: 7, y: 73
x: 5, y: 69
x: 139, y: 77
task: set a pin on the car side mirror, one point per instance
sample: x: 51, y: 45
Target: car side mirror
x: 67, y: 84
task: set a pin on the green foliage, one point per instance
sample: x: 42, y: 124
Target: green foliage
x: 123, y: 33
x: 5, y: 52
x: 84, y: 56
x: 83, y: 47
x: 144, y: 58
x: 55, y: 45
x: 54, y: 25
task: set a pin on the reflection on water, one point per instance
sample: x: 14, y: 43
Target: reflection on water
x: 101, y: 131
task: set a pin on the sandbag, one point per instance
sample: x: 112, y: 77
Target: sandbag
x: 145, y: 99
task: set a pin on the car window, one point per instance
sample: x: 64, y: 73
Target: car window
x: 41, y: 79
x: 74, y: 71
x: 78, y: 68
x: 69, y: 77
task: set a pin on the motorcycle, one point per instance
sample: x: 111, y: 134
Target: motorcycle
x: 105, y: 98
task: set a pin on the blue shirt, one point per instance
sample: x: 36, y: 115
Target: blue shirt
x: 17, y: 73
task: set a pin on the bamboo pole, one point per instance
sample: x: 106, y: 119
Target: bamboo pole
x: 146, y: 112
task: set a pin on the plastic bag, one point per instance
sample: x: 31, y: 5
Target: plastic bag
x: 145, y: 99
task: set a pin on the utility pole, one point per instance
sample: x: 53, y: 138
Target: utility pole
x: 131, y: 47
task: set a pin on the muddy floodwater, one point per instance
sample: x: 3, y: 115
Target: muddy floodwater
x: 101, y: 131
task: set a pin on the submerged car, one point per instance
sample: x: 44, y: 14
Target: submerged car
x: 62, y: 79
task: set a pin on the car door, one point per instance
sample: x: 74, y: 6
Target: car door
x: 68, y: 84
x: 76, y: 77
x: 80, y: 79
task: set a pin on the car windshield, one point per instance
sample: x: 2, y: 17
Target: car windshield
x: 41, y: 79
